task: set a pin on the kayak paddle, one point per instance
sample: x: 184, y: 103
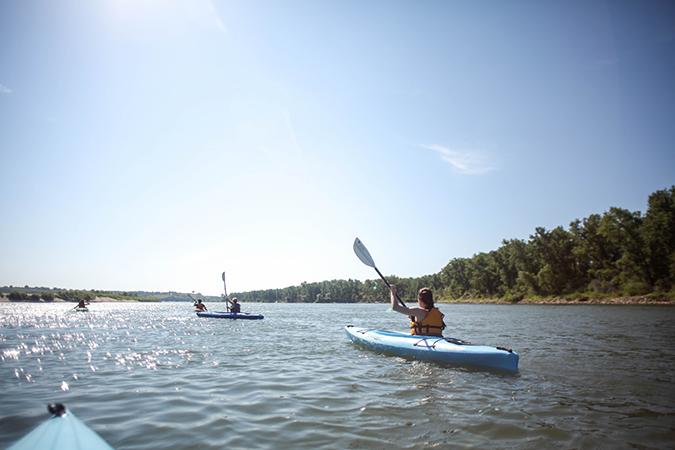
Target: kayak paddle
x: 363, y: 254
x: 227, y: 303
x: 194, y: 300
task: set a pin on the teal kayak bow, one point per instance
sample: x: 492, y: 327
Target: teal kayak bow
x: 64, y: 431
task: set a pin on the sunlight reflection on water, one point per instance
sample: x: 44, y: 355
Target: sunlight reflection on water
x: 155, y: 375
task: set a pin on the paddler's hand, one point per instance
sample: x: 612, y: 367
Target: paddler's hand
x: 394, y: 301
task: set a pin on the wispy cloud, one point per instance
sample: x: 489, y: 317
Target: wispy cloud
x: 203, y: 13
x: 470, y: 162
x: 4, y: 89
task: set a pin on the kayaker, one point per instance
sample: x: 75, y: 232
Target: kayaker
x: 236, y: 307
x: 82, y: 304
x: 425, y: 320
x: 199, y: 307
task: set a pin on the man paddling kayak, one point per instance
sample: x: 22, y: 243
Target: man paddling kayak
x: 425, y: 320
x: 199, y: 306
x: 236, y: 307
x: 82, y: 304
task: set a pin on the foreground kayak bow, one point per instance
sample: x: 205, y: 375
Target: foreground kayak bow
x: 63, y: 431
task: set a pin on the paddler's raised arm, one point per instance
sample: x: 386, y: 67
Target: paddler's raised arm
x: 418, y: 313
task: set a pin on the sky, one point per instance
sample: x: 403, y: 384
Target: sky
x: 151, y: 145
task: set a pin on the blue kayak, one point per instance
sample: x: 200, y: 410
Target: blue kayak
x: 437, y: 348
x: 63, y: 431
x: 231, y: 315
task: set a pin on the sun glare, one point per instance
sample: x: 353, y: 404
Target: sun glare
x: 167, y: 14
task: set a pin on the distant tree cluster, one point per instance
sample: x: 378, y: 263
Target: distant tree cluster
x: 22, y: 296
x: 116, y: 295
x: 335, y: 291
x: 619, y: 253
x: 74, y: 296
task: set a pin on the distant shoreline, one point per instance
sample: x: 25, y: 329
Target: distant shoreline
x: 5, y: 299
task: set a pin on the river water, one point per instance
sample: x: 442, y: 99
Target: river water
x: 153, y: 375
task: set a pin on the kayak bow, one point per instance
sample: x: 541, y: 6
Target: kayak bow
x: 63, y: 431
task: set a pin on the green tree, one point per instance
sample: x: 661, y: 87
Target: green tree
x: 623, y: 229
x: 47, y: 296
x: 16, y: 295
x: 484, y: 275
x: 595, y: 253
x: 456, y: 278
x: 658, y: 231
x: 553, y: 250
x: 519, y: 267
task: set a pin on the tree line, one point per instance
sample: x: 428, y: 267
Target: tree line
x: 618, y: 253
x: 74, y: 296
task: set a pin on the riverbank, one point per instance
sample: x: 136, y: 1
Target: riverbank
x: 5, y: 299
x: 638, y: 300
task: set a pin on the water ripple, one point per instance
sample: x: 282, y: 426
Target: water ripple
x: 154, y: 375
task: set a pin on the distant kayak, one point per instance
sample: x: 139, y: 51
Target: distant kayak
x: 63, y: 431
x: 230, y: 315
x: 436, y: 348
x: 82, y: 309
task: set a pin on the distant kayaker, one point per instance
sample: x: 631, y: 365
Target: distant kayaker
x: 235, y: 306
x: 199, y: 307
x: 82, y: 304
x: 425, y: 320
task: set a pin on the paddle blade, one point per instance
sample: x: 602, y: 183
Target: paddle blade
x: 224, y: 285
x: 362, y: 252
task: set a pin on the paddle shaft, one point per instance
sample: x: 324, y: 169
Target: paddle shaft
x: 389, y: 286
x: 227, y: 300
x: 193, y: 299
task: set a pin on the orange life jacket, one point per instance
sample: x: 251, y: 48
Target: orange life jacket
x: 432, y: 325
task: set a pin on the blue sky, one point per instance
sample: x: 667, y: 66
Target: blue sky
x: 152, y: 145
